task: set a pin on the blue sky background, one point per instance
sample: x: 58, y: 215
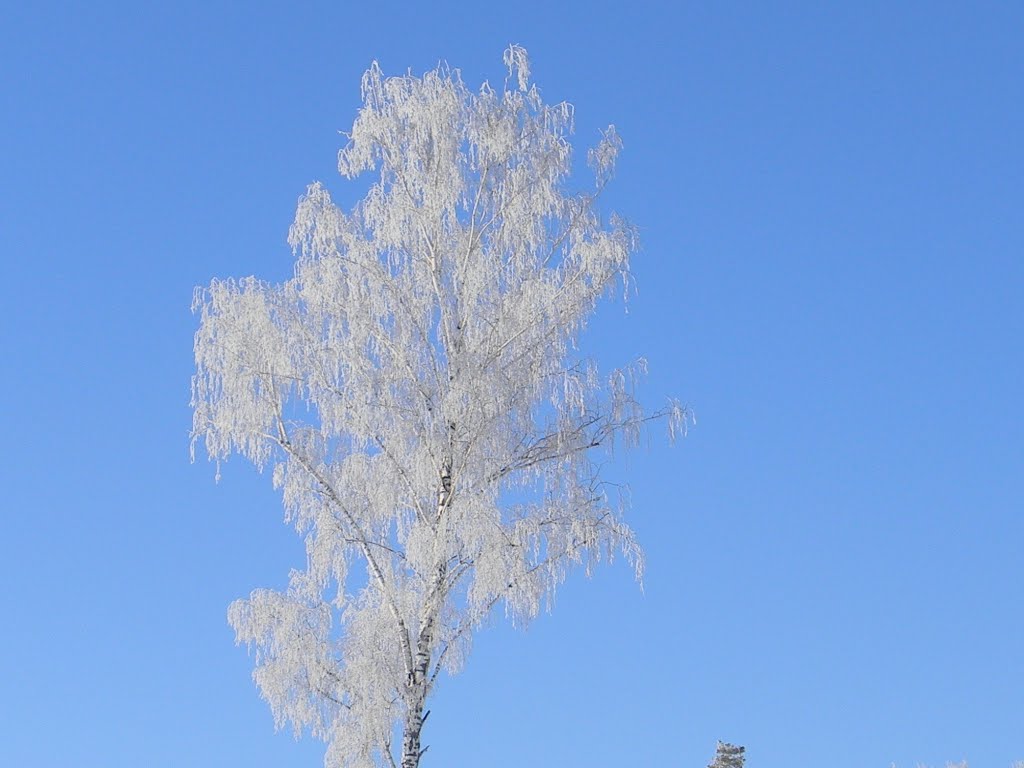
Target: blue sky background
x: 831, y: 277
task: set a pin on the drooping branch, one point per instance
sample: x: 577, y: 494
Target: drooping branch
x: 363, y: 542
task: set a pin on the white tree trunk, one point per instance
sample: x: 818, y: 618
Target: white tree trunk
x: 411, y: 751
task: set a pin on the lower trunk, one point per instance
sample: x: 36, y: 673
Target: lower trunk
x: 416, y: 697
x: 411, y: 751
x: 418, y: 685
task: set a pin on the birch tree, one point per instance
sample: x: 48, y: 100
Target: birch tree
x: 417, y: 392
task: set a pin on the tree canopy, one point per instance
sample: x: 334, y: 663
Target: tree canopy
x: 417, y: 390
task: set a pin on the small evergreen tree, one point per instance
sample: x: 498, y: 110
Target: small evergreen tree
x: 728, y: 756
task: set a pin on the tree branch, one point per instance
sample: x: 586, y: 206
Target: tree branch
x: 363, y: 543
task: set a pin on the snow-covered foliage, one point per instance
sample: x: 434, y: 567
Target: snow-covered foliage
x: 728, y: 756
x: 416, y: 390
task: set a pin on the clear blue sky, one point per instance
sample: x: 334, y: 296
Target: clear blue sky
x: 830, y: 202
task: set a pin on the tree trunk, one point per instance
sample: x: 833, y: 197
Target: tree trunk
x: 417, y: 689
x: 416, y: 698
x: 418, y: 685
x: 411, y: 751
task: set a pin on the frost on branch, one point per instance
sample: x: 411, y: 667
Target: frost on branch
x: 415, y: 389
x: 518, y: 64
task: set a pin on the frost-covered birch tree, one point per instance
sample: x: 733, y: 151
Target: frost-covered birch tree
x: 417, y: 391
